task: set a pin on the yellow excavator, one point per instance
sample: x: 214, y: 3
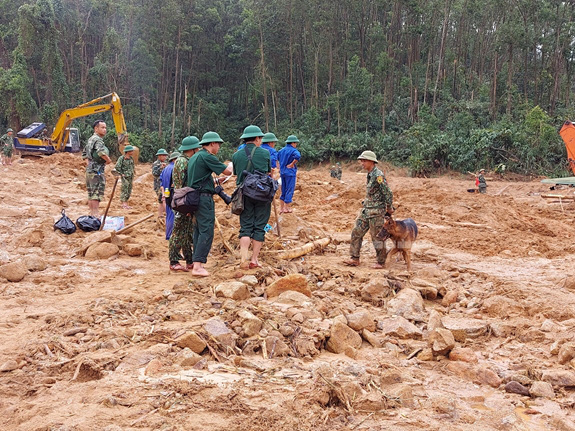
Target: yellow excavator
x: 34, y: 139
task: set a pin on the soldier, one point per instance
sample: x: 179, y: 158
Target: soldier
x: 288, y: 157
x: 200, y: 170
x: 378, y: 202
x: 166, y: 188
x: 335, y: 171
x: 269, y: 142
x: 157, y: 168
x: 7, y: 147
x: 125, y: 167
x: 481, y: 184
x: 182, y: 233
x: 97, y: 157
x: 255, y: 215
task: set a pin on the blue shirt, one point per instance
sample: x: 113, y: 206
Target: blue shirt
x: 273, y: 155
x: 285, y: 156
x: 166, y: 176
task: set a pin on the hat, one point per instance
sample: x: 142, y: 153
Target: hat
x: 252, y: 132
x: 292, y: 138
x: 189, y: 143
x: 128, y: 148
x: 173, y: 156
x: 481, y: 170
x: 210, y: 137
x: 368, y: 155
x: 269, y: 137
x: 9, y: 130
x: 162, y: 152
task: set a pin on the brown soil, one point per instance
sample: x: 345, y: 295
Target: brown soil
x: 92, y: 342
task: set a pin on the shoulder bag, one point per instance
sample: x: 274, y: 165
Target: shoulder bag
x: 257, y: 185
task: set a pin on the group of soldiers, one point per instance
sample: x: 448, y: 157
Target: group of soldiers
x: 7, y: 147
x: 195, y: 164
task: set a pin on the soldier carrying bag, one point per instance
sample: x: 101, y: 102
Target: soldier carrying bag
x: 257, y: 185
x: 186, y: 200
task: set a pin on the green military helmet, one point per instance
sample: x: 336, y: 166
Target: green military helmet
x: 174, y: 155
x: 368, y: 155
x: 189, y: 143
x: 162, y: 152
x: 252, y: 132
x: 210, y: 137
x: 481, y: 170
x: 9, y: 130
x: 269, y: 137
x: 128, y: 148
x: 292, y: 138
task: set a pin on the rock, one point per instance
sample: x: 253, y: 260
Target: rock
x: 121, y: 240
x: 441, y: 341
x: 488, y: 377
x: 341, y: 337
x: 189, y: 358
x: 375, y: 291
x: 566, y: 353
x: 401, y: 392
x: 220, y: 332
x: 34, y: 263
x: 501, y: 306
x: 153, y: 368
x: 450, y: 298
x: 463, y: 370
x: 409, y: 304
x: 370, y: 402
x: 501, y: 329
x: 75, y: 330
x: 250, y: 280
x: 425, y: 288
x: 542, y: 389
x: 9, y: 365
x: 286, y: 330
x: 399, y: 327
x: 235, y: 290
x: 463, y: 354
x: 425, y: 355
x: 514, y: 387
x: 373, y: 339
x: 94, y: 238
x: 191, y: 341
x: 251, y: 325
x: 561, y: 378
x: 276, y: 347
x: 14, y: 271
x: 463, y: 328
x: 293, y: 298
x: 292, y: 282
x: 569, y: 283
x: 133, y: 249
x: 434, y: 320
x: 306, y: 346
x: 361, y: 320
x: 102, y: 250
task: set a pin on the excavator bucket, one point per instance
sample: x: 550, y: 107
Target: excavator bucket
x: 567, y: 133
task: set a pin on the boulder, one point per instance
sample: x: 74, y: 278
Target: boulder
x: 542, y: 389
x: 427, y: 289
x: 341, y: 337
x: 34, y: 263
x: 450, y: 298
x: 94, y: 238
x: 250, y: 280
x: 218, y: 330
x: 434, y: 320
x: 441, y: 341
x: 463, y: 328
x: 306, y: 346
x: 514, y: 387
x: 561, y: 378
x: 566, y: 353
x: 251, y: 325
x: 133, y: 249
x: 488, y: 377
x: 463, y: 354
x: 292, y: 282
x: 373, y: 339
x: 376, y: 290
x: 409, y: 304
x: 361, y: 320
x: 275, y: 347
x: 399, y: 327
x: 9, y: 365
x: 14, y: 271
x: 235, y: 290
x: 192, y: 341
x: 291, y: 297
x: 425, y: 355
x: 102, y: 250
x: 188, y: 358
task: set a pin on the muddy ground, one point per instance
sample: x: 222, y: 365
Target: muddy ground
x: 478, y: 336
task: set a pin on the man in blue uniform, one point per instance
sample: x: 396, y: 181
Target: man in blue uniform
x: 269, y: 142
x: 288, y: 158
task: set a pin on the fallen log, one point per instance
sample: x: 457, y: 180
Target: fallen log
x: 562, y: 197
x: 130, y: 226
x: 304, y: 249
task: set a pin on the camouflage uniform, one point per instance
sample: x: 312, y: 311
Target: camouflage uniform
x: 181, y: 238
x: 7, y: 145
x: 335, y: 172
x: 125, y: 167
x: 95, y: 178
x: 157, y: 169
x: 378, y: 200
x: 482, y: 184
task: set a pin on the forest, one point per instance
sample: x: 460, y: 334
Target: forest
x: 426, y: 84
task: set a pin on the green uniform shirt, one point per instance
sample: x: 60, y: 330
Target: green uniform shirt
x: 260, y: 161
x: 180, y: 171
x: 379, y: 195
x: 125, y: 167
x: 93, y: 151
x: 200, y: 167
x: 481, y: 180
x: 5, y: 140
x: 157, y: 169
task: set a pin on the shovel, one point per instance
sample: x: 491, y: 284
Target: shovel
x: 109, y: 202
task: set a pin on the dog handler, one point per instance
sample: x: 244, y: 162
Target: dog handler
x: 378, y: 201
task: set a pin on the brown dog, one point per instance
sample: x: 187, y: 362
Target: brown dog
x: 403, y: 233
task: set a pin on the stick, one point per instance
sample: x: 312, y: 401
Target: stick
x: 109, y: 202
x: 130, y: 226
x: 502, y: 190
x: 226, y: 245
x: 277, y: 218
x: 304, y: 249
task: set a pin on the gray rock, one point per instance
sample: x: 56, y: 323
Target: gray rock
x: 409, y: 304
x: 561, y: 378
x: 514, y: 387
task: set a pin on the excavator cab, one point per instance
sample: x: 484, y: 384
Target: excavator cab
x: 73, y: 141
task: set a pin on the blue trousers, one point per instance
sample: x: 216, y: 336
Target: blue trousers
x: 288, y: 187
x: 169, y: 222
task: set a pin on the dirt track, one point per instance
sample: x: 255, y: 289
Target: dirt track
x: 94, y: 344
